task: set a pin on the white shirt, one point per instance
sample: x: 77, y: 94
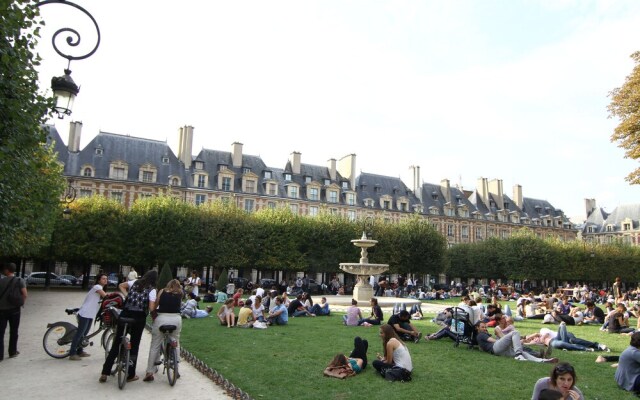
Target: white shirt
x: 91, y: 305
x: 260, y: 292
x: 194, y: 282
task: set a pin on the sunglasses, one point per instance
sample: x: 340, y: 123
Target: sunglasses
x: 564, y: 369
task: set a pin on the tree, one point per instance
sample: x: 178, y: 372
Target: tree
x: 223, y: 279
x: 625, y: 105
x: 31, y: 182
x: 165, y: 276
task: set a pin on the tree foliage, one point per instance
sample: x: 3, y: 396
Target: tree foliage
x: 31, y: 181
x: 625, y: 105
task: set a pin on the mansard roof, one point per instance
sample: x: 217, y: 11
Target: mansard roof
x: 536, y: 208
x: 53, y: 136
x: 601, y: 219
x: 373, y: 186
x: 134, y: 151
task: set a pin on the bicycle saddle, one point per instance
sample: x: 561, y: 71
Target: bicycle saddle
x: 125, y: 320
x: 71, y: 310
x: 167, y: 328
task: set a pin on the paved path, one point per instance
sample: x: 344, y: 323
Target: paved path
x: 35, y: 375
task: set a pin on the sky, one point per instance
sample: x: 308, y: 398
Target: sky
x: 500, y: 89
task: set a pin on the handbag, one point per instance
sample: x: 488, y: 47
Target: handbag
x: 260, y: 325
x: 340, y: 371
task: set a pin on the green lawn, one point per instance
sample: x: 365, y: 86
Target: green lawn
x: 287, y: 362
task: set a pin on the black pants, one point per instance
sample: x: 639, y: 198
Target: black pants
x: 135, y: 332
x: 12, y: 317
x: 360, y: 348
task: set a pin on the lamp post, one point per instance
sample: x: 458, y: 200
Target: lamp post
x: 69, y: 197
x: 64, y: 88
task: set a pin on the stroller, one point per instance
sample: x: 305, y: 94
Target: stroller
x: 462, y: 327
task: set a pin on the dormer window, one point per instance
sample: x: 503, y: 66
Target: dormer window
x: 327, y: 182
x: 506, y: 205
x: 345, y: 185
x: 458, y: 199
x: 378, y: 188
x: 99, y: 151
x: 626, y: 226
x: 165, y: 160
x: 87, y: 172
x: 287, y: 177
x: 222, y: 167
x: 246, y: 170
x: 267, y: 174
x: 307, y: 179
x: 434, y: 195
x: 199, y: 165
x: 609, y: 228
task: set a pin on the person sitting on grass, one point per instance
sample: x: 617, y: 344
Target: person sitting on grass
x: 245, y: 315
x: 257, y: 308
x: 401, y: 323
x: 279, y: 314
x: 226, y: 315
x: 237, y: 298
x: 508, y: 346
x: 297, y: 309
x: 322, y: 308
x: 353, y: 314
x: 395, y: 362
x: 593, y: 315
x: 628, y: 372
x: 190, y: 308
x: 562, y: 379
x: 376, y: 316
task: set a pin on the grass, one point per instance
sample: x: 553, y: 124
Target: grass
x: 287, y: 362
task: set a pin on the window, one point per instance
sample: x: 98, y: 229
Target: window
x: 313, y: 194
x: 165, y: 160
x: 272, y: 189
x: 307, y: 179
x: 86, y: 192
x: 117, y: 196
x: 386, y: 204
x: 591, y: 229
x: 435, y: 226
x: 368, y: 203
x: 147, y: 176
x: 118, y: 173
x: 293, y: 192
x: 327, y: 182
x: 345, y: 185
x: 271, y: 205
x: 145, y: 195
x: 351, y: 199
x: 490, y: 232
x: 222, y: 167
x: 464, y: 232
x: 248, y: 205
x: 201, y: 199
x: 199, y: 165
x: 450, y: 212
x: 201, y: 181
x: 403, y: 207
x: 267, y: 175
x: 293, y: 208
x: 351, y: 215
x: 99, y: 151
x: 504, y: 233
x: 626, y: 226
x: 464, y: 213
x: 175, y: 182
x: 433, y: 210
x: 87, y: 172
x: 333, y: 196
x: 287, y: 177
x: 450, y: 230
x: 609, y: 228
x: 313, y: 211
x: 250, y: 185
x: 226, y: 183
x: 246, y: 170
x: 479, y: 233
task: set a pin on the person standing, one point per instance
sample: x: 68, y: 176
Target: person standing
x: 195, y: 282
x: 141, y: 299
x: 86, y: 314
x: 10, y: 313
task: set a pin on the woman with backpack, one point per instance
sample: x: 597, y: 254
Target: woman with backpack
x: 87, y: 312
x: 141, y: 298
x: 395, y: 364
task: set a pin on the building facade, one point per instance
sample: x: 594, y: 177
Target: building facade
x: 601, y: 227
x: 126, y: 168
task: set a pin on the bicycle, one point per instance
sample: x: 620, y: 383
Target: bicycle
x: 169, y: 353
x: 59, y: 335
x: 124, y: 353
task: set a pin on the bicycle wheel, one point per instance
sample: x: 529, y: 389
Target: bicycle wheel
x: 57, y: 339
x: 107, y: 342
x: 123, y: 363
x: 171, y: 363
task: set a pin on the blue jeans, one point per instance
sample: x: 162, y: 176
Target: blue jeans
x: 317, y: 309
x: 84, y: 324
x: 569, y: 341
x: 12, y: 318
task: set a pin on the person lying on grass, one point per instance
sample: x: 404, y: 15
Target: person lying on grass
x: 507, y: 346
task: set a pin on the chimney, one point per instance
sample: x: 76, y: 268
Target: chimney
x: 75, y: 130
x: 590, y: 206
x: 517, y: 196
x: 483, y: 191
x: 236, y: 154
x: 495, y: 188
x: 347, y: 168
x: 295, y: 162
x: 185, y: 144
x: 332, y: 169
x: 417, y: 190
x: 445, y: 187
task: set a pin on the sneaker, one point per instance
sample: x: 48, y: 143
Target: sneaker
x: 417, y: 339
x: 603, y: 347
x: 75, y: 357
x: 102, y: 379
x: 520, y: 357
x: 84, y: 354
x: 14, y: 355
x: 590, y: 349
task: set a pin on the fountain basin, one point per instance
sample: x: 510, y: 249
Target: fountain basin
x: 364, y: 269
x: 364, y: 243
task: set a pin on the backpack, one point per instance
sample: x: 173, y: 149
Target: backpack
x: 137, y: 300
x: 13, y: 291
x: 113, y: 299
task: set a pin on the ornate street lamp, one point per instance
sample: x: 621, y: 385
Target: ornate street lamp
x: 69, y: 197
x: 64, y: 88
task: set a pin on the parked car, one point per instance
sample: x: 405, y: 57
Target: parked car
x: 268, y: 284
x: 74, y: 281
x: 240, y: 283
x: 38, y: 278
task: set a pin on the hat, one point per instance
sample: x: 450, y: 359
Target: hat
x: 133, y: 275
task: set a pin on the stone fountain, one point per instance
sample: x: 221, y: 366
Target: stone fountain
x: 363, y: 291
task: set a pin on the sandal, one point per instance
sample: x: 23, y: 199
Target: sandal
x: 133, y: 378
x: 103, y: 379
x: 148, y: 378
